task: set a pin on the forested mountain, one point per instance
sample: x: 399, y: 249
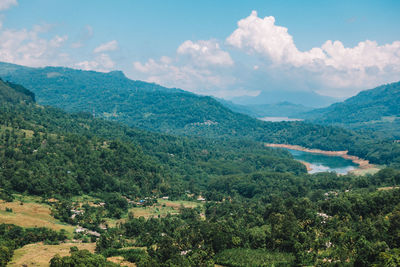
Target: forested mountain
x: 376, y: 109
x: 144, y: 105
x: 153, y: 107
x: 48, y: 151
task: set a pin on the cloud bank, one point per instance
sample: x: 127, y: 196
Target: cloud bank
x: 332, y: 64
x: 331, y: 69
x: 200, y: 67
x: 257, y: 56
x: 26, y: 47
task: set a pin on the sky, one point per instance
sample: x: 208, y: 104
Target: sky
x: 224, y: 48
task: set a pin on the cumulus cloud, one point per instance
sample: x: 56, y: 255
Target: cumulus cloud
x: 26, y: 47
x: 198, y: 66
x: 205, y: 53
x: 102, y: 63
x: 262, y: 36
x: 109, y: 46
x: 341, y: 70
x: 37, y: 47
x: 6, y: 4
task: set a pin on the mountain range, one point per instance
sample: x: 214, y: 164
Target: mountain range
x: 305, y: 98
x: 152, y: 107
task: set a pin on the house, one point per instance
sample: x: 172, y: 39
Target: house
x: 200, y: 198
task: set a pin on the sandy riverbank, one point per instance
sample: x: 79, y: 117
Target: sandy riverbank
x: 362, y: 163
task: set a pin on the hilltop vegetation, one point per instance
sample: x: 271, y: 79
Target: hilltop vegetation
x: 376, y: 110
x: 50, y: 152
x: 153, y: 107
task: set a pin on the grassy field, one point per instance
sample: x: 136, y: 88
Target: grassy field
x: 160, y: 209
x: 163, y: 207
x: 120, y: 260
x: 30, y: 214
x: 388, y: 188
x: 362, y: 172
x: 39, y: 254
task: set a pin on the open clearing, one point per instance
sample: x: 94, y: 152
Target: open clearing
x: 31, y: 214
x: 120, y: 260
x: 162, y: 208
x: 39, y: 254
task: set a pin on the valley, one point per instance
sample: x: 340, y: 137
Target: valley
x: 198, y: 189
x: 199, y: 133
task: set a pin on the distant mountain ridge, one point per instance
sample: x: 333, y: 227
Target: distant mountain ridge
x: 377, y: 109
x: 281, y: 109
x: 305, y: 98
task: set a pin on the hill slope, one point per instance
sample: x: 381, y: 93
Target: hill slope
x: 376, y: 109
x: 148, y: 106
x: 153, y: 107
x: 47, y: 151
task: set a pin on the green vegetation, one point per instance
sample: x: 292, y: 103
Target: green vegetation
x: 80, y: 258
x: 75, y: 154
x: 156, y: 108
x: 253, y: 257
x: 13, y: 237
x: 261, y: 204
x: 375, y: 110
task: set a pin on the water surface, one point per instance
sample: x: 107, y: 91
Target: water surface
x: 324, y: 163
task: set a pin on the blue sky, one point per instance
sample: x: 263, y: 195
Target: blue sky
x: 198, y: 45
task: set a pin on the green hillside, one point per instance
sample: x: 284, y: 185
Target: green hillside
x: 156, y: 108
x: 262, y: 207
x: 376, y: 109
x: 49, y: 152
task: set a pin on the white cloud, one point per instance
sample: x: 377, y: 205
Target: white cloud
x: 341, y: 70
x: 26, y: 47
x: 6, y: 4
x: 31, y: 48
x: 205, y: 53
x: 109, y: 46
x: 187, y: 76
x: 200, y: 67
x: 102, y: 63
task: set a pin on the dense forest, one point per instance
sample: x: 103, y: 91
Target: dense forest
x: 156, y: 108
x: 376, y: 110
x: 48, y: 151
x: 261, y: 208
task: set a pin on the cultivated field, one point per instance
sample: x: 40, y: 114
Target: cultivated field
x: 160, y: 209
x: 30, y: 214
x: 39, y: 254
